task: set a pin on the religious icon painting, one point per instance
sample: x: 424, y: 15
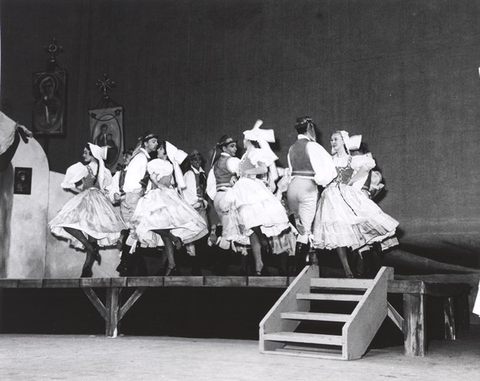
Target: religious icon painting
x: 22, y: 183
x: 106, y: 129
x: 49, y: 100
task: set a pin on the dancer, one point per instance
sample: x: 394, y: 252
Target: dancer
x: 162, y: 217
x: 89, y: 219
x: 254, y: 213
x: 195, y: 194
x: 368, y: 259
x: 311, y: 166
x: 134, y: 189
x: 345, y: 217
x: 221, y: 177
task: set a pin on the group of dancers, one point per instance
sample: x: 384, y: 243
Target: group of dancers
x: 163, y: 207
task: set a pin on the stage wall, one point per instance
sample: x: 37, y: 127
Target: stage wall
x: 404, y: 74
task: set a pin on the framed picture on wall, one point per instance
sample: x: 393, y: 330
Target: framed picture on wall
x: 22, y: 183
x: 49, y: 100
x: 106, y: 129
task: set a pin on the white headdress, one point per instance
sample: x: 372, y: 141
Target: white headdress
x: 177, y: 156
x: 351, y: 142
x: 263, y: 138
x: 99, y: 153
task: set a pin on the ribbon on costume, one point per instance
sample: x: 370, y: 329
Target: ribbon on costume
x: 99, y: 153
x: 176, y: 156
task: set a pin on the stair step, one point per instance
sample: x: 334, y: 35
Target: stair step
x: 318, y: 353
x: 307, y: 338
x: 334, y: 297
x: 315, y: 316
x: 341, y: 283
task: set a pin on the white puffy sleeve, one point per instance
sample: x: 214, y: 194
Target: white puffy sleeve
x: 107, y: 178
x: 365, y: 161
x: 74, y: 174
x: 322, y: 163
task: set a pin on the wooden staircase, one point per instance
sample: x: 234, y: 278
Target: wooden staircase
x: 326, y: 317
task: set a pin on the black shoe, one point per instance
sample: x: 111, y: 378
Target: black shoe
x: 172, y: 272
x: 97, y: 256
x: 122, y: 268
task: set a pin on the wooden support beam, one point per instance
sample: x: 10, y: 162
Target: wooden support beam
x: 414, y: 324
x: 395, y: 317
x: 131, y: 301
x: 97, y: 303
x: 113, y: 312
x: 449, y: 318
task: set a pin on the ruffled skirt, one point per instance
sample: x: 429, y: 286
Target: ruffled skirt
x: 163, y: 208
x: 92, y: 213
x: 252, y: 204
x: 346, y: 217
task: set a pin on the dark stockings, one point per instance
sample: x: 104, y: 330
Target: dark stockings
x: 90, y: 244
x: 342, y: 253
x: 259, y: 242
x: 170, y: 242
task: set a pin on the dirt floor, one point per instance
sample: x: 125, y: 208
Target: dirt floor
x: 65, y: 357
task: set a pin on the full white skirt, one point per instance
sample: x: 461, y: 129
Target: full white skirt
x: 163, y: 208
x: 346, y: 217
x: 92, y: 213
x: 252, y: 204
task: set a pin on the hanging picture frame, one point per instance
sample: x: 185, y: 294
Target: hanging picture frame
x: 106, y: 129
x: 49, y: 100
x: 22, y: 180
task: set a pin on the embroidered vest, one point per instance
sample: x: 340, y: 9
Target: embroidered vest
x: 299, y: 159
x: 201, y: 181
x: 221, y: 172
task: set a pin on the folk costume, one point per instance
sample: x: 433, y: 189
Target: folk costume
x: 221, y: 178
x: 311, y: 166
x: 250, y: 202
x: 162, y: 208
x: 90, y: 211
x: 195, y: 187
x: 346, y: 217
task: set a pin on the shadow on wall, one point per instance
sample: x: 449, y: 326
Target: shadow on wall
x: 6, y: 203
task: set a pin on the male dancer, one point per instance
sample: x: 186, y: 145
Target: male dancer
x: 195, y: 194
x: 221, y: 177
x: 311, y: 166
x: 134, y: 189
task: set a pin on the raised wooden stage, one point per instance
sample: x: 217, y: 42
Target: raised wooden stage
x: 412, y: 320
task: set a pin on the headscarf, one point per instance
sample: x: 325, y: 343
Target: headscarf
x: 351, y: 142
x: 99, y: 153
x: 263, y: 138
x: 176, y: 156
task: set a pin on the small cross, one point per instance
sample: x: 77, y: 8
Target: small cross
x: 53, y: 49
x: 105, y: 85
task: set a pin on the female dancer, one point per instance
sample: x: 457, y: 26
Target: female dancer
x: 254, y: 212
x: 345, y: 217
x: 162, y: 217
x: 89, y: 219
